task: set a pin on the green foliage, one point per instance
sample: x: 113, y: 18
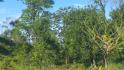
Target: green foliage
x: 68, y: 39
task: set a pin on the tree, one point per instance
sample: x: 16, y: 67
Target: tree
x: 34, y: 27
x: 87, y: 31
x: 76, y: 33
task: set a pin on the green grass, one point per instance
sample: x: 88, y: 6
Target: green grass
x: 13, y: 66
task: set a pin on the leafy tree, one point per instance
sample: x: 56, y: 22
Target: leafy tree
x: 68, y: 36
x: 76, y: 33
x: 34, y: 28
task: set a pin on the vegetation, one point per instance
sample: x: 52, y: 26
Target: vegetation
x: 68, y: 39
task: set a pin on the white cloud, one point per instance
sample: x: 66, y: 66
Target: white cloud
x: 17, y: 15
x: 7, y: 20
x: 78, y: 5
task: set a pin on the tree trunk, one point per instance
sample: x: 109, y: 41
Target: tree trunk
x: 105, y: 61
x: 66, y: 60
x: 94, y: 63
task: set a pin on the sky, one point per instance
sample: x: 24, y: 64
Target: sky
x: 12, y: 9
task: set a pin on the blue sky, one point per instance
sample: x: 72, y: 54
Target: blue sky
x: 12, y: 9
x: 9, y: 9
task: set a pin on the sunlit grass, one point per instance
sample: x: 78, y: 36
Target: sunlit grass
x: 61, y: 67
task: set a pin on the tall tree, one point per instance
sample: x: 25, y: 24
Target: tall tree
x: 34, y: 27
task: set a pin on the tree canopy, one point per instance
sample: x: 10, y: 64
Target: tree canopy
x: 40, y: 40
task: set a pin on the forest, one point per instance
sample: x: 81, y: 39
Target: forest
x: 71, y: 38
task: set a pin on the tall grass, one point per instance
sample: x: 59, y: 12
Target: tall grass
x: 10, y: 65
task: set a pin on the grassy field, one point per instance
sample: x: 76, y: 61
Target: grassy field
x: 62, y: 67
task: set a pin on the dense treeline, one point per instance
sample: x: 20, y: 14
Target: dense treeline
x: 70, y: 36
